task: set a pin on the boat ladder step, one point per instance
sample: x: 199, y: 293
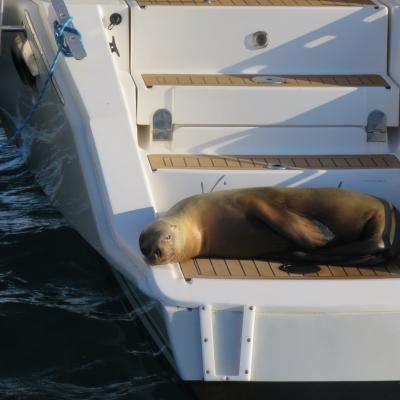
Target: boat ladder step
x: 262, y: 162
x: 267, y: 100
x: 216, y: 268
x: 259, y: 3
x: 257, y: 80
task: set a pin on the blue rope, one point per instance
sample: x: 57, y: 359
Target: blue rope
x: 60, y: 30
x: 63, y: 48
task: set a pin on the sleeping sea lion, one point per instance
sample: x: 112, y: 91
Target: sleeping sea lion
x: 319, y: 225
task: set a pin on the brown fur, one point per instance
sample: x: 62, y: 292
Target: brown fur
x: 322, y: 224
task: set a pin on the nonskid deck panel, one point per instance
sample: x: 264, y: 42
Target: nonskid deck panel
x: 151, y: 80
x: 206, y: 268
x: 268, y: 3
x: 243, y: 162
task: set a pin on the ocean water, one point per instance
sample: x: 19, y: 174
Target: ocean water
x: 64, y: 330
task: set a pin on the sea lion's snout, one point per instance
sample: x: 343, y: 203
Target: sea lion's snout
x: 144, y: 244
x: 154, y: 256
x: 156, y: 244
x: 152, y: 253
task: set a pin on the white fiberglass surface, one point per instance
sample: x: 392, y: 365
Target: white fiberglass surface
x: 293, y: 106
x: 382, y: 183
x: 269, y: 140
x: 320, y: 347
x: 302, y: 40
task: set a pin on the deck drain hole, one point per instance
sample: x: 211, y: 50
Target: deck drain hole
x: 274, y: 80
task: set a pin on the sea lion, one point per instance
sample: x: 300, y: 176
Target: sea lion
x: 320, y: 225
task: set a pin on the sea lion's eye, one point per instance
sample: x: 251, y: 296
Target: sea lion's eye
x: 168, y: 237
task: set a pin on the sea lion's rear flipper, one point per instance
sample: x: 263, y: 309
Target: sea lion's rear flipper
x: 306, y: 232
x: 332, y: 256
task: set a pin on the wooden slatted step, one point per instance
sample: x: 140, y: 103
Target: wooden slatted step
x: 151, y: 80
x: 280, y: 3
x: 260, y: 269
x: 189, y: 161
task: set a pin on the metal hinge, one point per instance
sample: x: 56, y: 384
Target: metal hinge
x: 162, y: 125
x: 376, y: 126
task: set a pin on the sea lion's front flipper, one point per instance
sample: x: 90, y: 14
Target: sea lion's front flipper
x: 306, y: 232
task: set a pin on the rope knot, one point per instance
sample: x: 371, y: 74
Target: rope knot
x: 59, y: 32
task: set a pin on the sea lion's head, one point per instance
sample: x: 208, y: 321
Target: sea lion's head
x: 159, y: 243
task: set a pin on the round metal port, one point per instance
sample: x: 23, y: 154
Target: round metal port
x: 260, y: 39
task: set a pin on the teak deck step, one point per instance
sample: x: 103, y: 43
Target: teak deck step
x: 280, y: 3
x: 151, y: 80
x: 261, y: 269
x: 239, y: 162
